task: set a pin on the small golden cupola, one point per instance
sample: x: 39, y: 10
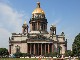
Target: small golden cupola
x: 38, y: 12
x: 25, y: 23
x: 25, y: 28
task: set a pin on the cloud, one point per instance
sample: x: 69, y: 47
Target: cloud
x: 10, y: 21
x: 57, y: 21
x: 4, y: 36
x: 10, y: 17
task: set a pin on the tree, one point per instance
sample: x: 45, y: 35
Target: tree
x: 3, y: 52
x: 68, y: 53
x: 52, y: 54
x: 76, y: 45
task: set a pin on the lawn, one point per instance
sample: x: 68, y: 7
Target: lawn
x: 27, y: 59
x: 18, y: 59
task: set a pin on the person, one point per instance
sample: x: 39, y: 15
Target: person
x: 62, y: 56
x: 69, y: 57
x: 73, y: 58
x: 39, y: 58
x: 57, y: 56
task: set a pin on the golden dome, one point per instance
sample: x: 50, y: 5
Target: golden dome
x: 38, y: 9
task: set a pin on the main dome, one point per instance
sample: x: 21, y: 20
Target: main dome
x: 38, y: 9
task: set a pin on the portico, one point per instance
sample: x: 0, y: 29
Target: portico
x: 39, y: 48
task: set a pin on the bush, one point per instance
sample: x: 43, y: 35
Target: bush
x: 4, y: 52
x: 68, y: 53
x: 19, y: 54
x: 54, y: 54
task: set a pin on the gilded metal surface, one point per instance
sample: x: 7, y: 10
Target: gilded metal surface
x: 38, y: 10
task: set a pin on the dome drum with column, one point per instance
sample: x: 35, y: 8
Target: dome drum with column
x: 38, y: 16
x: 38, y: 20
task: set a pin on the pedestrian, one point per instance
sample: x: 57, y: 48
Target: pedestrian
x: 69, y: 57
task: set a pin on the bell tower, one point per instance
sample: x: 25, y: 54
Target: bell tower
x: 53, y: 30
x: 38, y: 21
x: 25, y: 28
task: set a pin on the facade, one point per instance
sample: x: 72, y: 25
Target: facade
x: 38, y: 40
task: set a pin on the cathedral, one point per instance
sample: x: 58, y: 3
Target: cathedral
x: 38, y: 40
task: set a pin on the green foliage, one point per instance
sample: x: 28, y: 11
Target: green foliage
x: 18, y: 58
x: 54, y: 54
x: 68, y: 53
x: 19, y: 54
x: 76, y: 45
x: 3, y: 52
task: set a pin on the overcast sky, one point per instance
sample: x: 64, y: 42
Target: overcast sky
x: 65, y: 14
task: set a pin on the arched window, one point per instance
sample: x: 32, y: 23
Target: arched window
x: 34, y: 26
x: 42, y: 26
